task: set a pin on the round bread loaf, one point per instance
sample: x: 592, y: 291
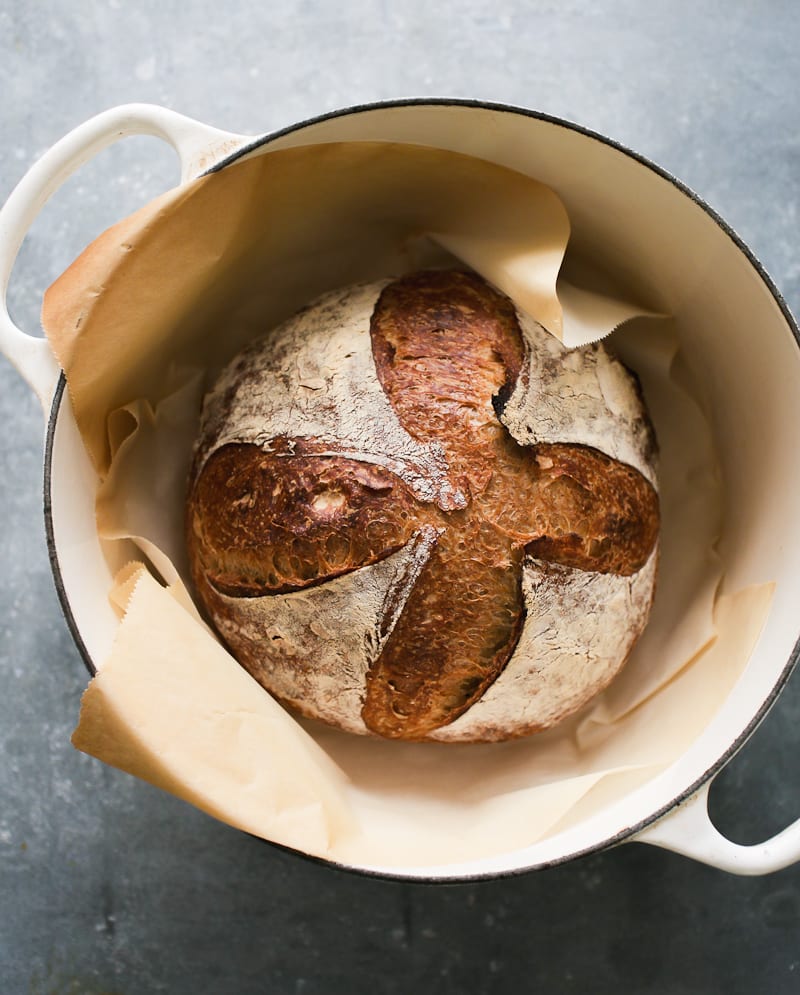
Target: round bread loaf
x: 413, y: 513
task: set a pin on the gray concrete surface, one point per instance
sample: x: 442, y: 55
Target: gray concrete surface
x: 108, y: 886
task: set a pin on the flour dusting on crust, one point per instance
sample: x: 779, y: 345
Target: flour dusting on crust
x: 314, y: 378
x: 579, y: 629
x: 584, y: 396
x: 320, y: 641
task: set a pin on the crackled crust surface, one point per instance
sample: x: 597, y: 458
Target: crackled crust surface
x: 377, y: 484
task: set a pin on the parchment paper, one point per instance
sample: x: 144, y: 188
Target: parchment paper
x: 147, y: 315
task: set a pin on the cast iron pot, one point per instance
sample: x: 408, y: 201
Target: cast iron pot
x: 650, y: 224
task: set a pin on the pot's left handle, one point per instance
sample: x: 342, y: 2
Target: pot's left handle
x: 198, y: 147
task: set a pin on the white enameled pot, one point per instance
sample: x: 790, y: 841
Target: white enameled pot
x: 651, y: 226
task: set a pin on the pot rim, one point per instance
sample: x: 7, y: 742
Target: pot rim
x: 629, y: 831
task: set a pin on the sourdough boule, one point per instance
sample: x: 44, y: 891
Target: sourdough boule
x: 413, y: 513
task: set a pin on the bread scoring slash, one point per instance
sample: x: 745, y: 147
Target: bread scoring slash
x: 413, y: 513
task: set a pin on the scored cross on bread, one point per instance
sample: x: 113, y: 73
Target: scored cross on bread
x: 291, y: 513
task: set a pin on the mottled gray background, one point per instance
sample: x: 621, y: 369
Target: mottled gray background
x: 108, y: 886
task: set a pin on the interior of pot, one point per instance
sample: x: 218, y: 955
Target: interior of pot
x: 736, y: 340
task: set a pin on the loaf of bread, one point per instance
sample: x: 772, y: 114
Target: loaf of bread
x: 413, y: 513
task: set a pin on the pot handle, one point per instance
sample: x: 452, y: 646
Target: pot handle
x: 688, y: 830
x: 198, y: 147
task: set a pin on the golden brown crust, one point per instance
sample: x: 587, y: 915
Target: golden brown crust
x: 593, y: 512
x: 459, y: 627
x: 263, y: 523
x: 445, y: 345
x: 280, y: 518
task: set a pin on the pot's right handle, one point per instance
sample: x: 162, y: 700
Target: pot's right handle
x: 688, y: 830
x: 198, y: 147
